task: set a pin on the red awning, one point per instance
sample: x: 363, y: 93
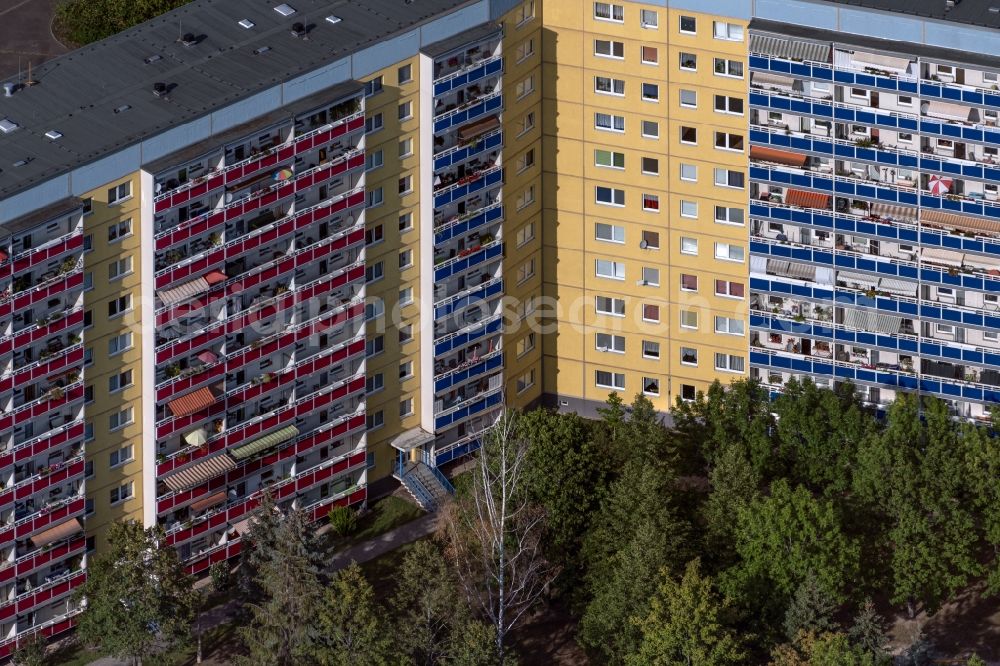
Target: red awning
x: 777, y: 156
x: 210, y: 501
x: 804, y: 199
x: 215, y: 277
x: 192, y: 402
x: 57, y: 533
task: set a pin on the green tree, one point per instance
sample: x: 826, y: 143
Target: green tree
x: 30, y: 651
x: 474, y: 644
x: 811, y: 609
x: 351, y: 631
x: 427, y: 604
x: 281, y: 630
x: 260, y: 548
x: 140, y: 601
x: 868, y: 631
x: 982, y: 469
x: 343, y: 521
x: 686, y: 624
x: 86, y: 21
x: 827, y: 649
x: 734, y: 484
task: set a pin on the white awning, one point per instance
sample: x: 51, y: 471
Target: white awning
x: 801, y: 271
x: 777, y: 266
x: 895, y: 212
x: 881, y: 61
x: 857, y: 280
x: 898, y: 287
x: 985, y: 263
x: 789, y: 49
x: 772, y: 80
x: 872, y: 321
x: 824, y: 276
x: 945, y: 257
x: 947, y: 110
x: 758, y: 264
x: 184, y: 291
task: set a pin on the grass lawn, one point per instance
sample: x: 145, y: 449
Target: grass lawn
x: 386, y: 514
x: 218, y: 644
x: 381, y: 571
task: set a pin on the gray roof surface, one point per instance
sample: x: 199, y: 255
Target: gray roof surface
x: 77, y: 94
x: 445, y: 46
x: 972, y: 12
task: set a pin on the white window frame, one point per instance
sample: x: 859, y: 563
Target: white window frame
x: 614, y: 270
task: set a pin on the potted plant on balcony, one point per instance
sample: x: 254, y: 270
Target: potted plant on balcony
x: 870, y: 292
x: 217, y: 426
x: 56, y: 393
x: 67, y: 266
x: 173, y: 256
x: 74, y: 339
x: 215, y: 239
x: 22, y: 283
x: 172, y: 370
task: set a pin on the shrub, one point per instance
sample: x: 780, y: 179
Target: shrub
x: 343, y: 521
x: 221, y: 576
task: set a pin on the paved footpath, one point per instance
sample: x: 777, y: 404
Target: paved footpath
x: 360, y: 553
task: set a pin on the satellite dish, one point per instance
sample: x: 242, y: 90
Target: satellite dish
x: 350, y: 219
x: 643, y: 244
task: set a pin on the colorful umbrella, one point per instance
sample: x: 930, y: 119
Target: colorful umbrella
x: 196, y: 437
x: 207, y: 357
x: 282, y: 174
x: 939, y: 185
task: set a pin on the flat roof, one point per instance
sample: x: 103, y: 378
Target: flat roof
x: 970, y: 12
x: 99, y: 98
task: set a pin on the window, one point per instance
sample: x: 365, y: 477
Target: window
x: 609, y: 159
x: 727, y: 141
x: 375, y: 235
x: 689, y: 99
x: 614, y: 307
x: 726, y: 104
x: 375, y: 272
x: 120, y: 381
x: 650, y: 55
x: 650, y: 240
x: 375, y: 197
x: 88, y: 206
x: 121, y: 456
x: 526, y: 160
x: 610, y: 196
x: 688, y: 61
x: 405, y: 333
x: 689, y: 282
x: 609, y: 49
x: 120, y: 419
x: 689, y: 245
x: 406, y: 184
x: 614, y: 270
x: 526, y: 270
x: 121, y: 493
x: 905, y: 137
x: 945, y: 329
x: 374, y: 86
x: 406, y: 259
x: 527, y: 122
x: 88, y: 506
x: 650, y: 386
x: 525, y: 234
x: 375, y: 309
x: 88, y: 436
x: 726, y: 67
x: 649, y: 18
x: 606, y: 85
x: 88, y: 318
x: 119, y: 343
x: 688, y: 25
x: 688, y: 392
x: 525, y: 49
x: 689, y: 319
x: 374, y: 123
x: 525, y: 87
x: 650, y: 276
x: 689, y: 172
x: 729, y: 289
x: 119, y: 230
x: 373, y: 160
x: 610, y: 343
x: 651, y: 202
x: 650, y: 312
x: 689, y: 209
x: 651, y: 129
x: 728, y: 215
x: 120, y: 305
x: 406, y: 295
x: 609, y: 123
x: 375, y: 420
x: 730, y: 31
x: 689, y: 356
x: 729, y: 325
x: 525, y: 344
x: 406, y: 221
x: 375, y: 383
x: 525, y: 198
x: 728, y: 362
x: 729, y: 178
x: 406, y: 407
x: 119, y: 193
x: 526, y: 381
x: 88, y: 280
x: 689, y: 135
x: 404, y: 74
x: 88, y: 356
x: 609, y: 232
x: 88, y: 242
x: 88, y: 394
x: 611, y: 380
x: 729, y: 252
x: 525, y: 12
x: 405, y: 147
x: 650, y: 92
x: 859, y: 92
x: 605, y: 11
x: 650, y: 349
x: 120, y: 268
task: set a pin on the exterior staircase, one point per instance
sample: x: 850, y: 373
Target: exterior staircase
x: 427, y: 485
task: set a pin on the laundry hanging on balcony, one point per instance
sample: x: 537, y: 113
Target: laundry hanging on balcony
x: 939, y: 185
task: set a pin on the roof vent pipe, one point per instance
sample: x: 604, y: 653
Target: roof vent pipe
x: 8, y: 89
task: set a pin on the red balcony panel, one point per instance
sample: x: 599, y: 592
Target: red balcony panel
x: 44, y: 406
x: 184, y: 347
x: 67, y: 359
x: 188, y: 383
x: 7, y: 648
x: 189, y: 228
x: 198, y: 267
x: 190, y: 495
x: 31, y: 601
x: 224, y: 553
x: 231, y: 514
x: 167, y: 428
x: 29, y: 563
x: 45, y: 518
x: 36, y: 333
x: 60, y: 475
x: 26, y: 260
x: 69, y: 283
x: 73, y: 432
x: 320, y: 511
x: 200, y: 305
x: 304, y: 407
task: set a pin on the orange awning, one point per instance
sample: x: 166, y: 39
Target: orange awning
x: 804, y: 199
x: 777, y: 156
x: 200, y: 471
x: 961, y: 222
x: 57, y: 533
x: 215, y: 277
x: 192, y: 402
x: 477, y: 128
x: 210, y: 501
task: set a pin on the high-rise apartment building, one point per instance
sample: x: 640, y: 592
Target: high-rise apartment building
x: 307, y: 248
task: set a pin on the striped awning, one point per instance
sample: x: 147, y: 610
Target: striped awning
x: 210, y: 501
x: 478, y: 128
x: 201, y: 471
x: 790, y: 49
x: 767, y: 80
x: 777, y: 156
x: 898, y: 287
x: 192, y: 402
x: 961, y: 222
x: 804, y: 199
x: 791, y: 269
x: 872, y: 321
x: 184, y: 291
x: 215, y: 277
x: 881, y: 61
x: 985, y: 263
x: 857, y: 280
x: 946, y: 110
x: 265, y: 442
x: 895, y: 212
x: 57, y: 533
x: 938, y: 256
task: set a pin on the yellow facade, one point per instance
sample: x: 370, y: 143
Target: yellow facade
x: 114, y: 376
x: 627, y: 67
